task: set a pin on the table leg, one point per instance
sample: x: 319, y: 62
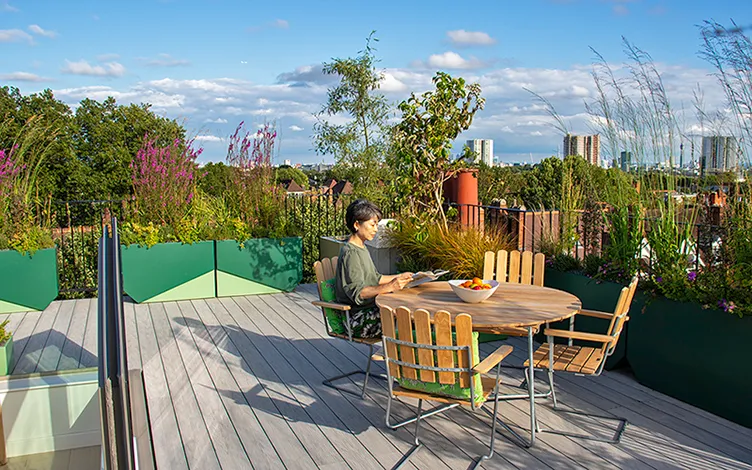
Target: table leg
x: 530, y: 377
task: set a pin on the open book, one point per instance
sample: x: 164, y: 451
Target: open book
x: 425, y: 276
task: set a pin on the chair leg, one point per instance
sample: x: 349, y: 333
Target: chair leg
x: 493, y: 432
x: 366, y: 373
x: 416, y: 444
x: 436, y: 410
x: 622, y: 423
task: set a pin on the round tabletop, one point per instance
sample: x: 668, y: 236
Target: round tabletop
x: 512, y: 305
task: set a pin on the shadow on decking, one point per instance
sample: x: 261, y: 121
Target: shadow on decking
x: 294, y: 392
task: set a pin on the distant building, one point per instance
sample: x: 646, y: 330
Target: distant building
x: 293, y: 188
x: 586, y: 146
x: 483, y: 149
x: 719, y: 154
x: 625, y: 161
x: 287, y: 162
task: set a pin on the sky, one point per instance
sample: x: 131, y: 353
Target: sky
x: 211, y: 64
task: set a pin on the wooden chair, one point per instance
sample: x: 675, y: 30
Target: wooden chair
x: 585, y: 360
x: 515, y: 268
x: 325, y: 270
x: 420, y: 363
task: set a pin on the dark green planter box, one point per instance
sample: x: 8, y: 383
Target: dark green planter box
x: 6, y: 356
x: 27, y: 282
x: 259, y: 266
x: 168, y: 271
x: 595, y: 295
x: 698, y: 356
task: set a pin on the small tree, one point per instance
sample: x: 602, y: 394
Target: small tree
x: 423, y: 141
x: 360, y: 144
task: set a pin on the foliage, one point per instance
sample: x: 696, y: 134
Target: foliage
x: 498, y: 183
x: 163, y: 182
x: 77, y: 260
x: 287, y: 173
x: 358, y: 145
x: 460, y: 250
x: 5, y: 335
x: 215, y: 179
x: 423, y: 141
x: 24, y: 216
x: 255, y: 197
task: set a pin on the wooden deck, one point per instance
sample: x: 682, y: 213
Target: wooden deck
x: 235, y: 383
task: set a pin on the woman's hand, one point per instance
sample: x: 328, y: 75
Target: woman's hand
x: 399, y: 282
x: 408, y: 276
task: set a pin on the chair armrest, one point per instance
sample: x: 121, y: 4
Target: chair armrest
x: 491, y: 361
x: 578, y: 335
x: 378, y: 357
x: 320, y: 303
x: 596, y: 314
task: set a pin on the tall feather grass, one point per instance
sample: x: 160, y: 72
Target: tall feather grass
x: 460, y: 250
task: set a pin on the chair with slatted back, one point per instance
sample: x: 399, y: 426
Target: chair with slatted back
x: 515, y: 268
x: 337, y: 321
x: 585, y: 360
x: 438, y: 363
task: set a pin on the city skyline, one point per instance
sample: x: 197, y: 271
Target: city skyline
x: 211, y: 64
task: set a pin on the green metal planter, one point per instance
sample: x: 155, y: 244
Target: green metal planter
x: 594, y: 295
x: 698, y: 356
x: 168, y: 271
x: 27, y: 282
x: 258, y: 266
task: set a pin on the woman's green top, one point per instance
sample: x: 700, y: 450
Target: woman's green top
x: 355, y: 270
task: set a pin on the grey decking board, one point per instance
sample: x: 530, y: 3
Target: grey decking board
x: 651, y: 425
x: 53, y: 347
x: 331, y: 351
x: 197, y: 442
x: 133, y: 351
x: 169, y: 451
x: 257, y: 445
x: 225, y: 440
x: 90, y: 344
x: 85, y: 458
x: 70, y: 356
x: 232, y: 345
x: 280, y: 378
x: 342, y: 406
x: 266, y: 393
x: 28, y: 360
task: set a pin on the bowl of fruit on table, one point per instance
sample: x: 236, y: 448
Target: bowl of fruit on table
x: 475, y: 290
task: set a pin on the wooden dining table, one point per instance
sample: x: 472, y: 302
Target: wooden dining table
x: 515, y: 307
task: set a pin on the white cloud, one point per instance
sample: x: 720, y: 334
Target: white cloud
x: 5, y: 6
x: 165, y: 60
x: 518, y: 123
x: 107, y: 57
x: 208, y: 138
x: 15, y: 35
x: 23, y: 77
x: 38, y: 30
x: 82, y: 67
x: 461, y: 37
x: 452, y: 60
x: 281, y: 24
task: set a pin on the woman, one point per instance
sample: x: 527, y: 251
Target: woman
x: 358, y: 282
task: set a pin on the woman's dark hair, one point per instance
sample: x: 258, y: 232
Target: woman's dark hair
x: 360, y: 210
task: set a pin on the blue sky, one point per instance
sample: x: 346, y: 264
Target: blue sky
x: 212, y: 63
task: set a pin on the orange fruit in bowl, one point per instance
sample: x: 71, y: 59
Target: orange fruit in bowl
x: 477, y: 280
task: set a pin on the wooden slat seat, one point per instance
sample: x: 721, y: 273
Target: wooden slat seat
x: 575, y: 359
x: 488, y: 387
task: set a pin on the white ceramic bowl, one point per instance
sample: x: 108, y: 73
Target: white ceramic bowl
x: 473, y: 296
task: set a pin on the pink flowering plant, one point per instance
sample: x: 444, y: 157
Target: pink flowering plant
x: 255, y: 198
x: 164, y: 192
x: 24, y: 217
